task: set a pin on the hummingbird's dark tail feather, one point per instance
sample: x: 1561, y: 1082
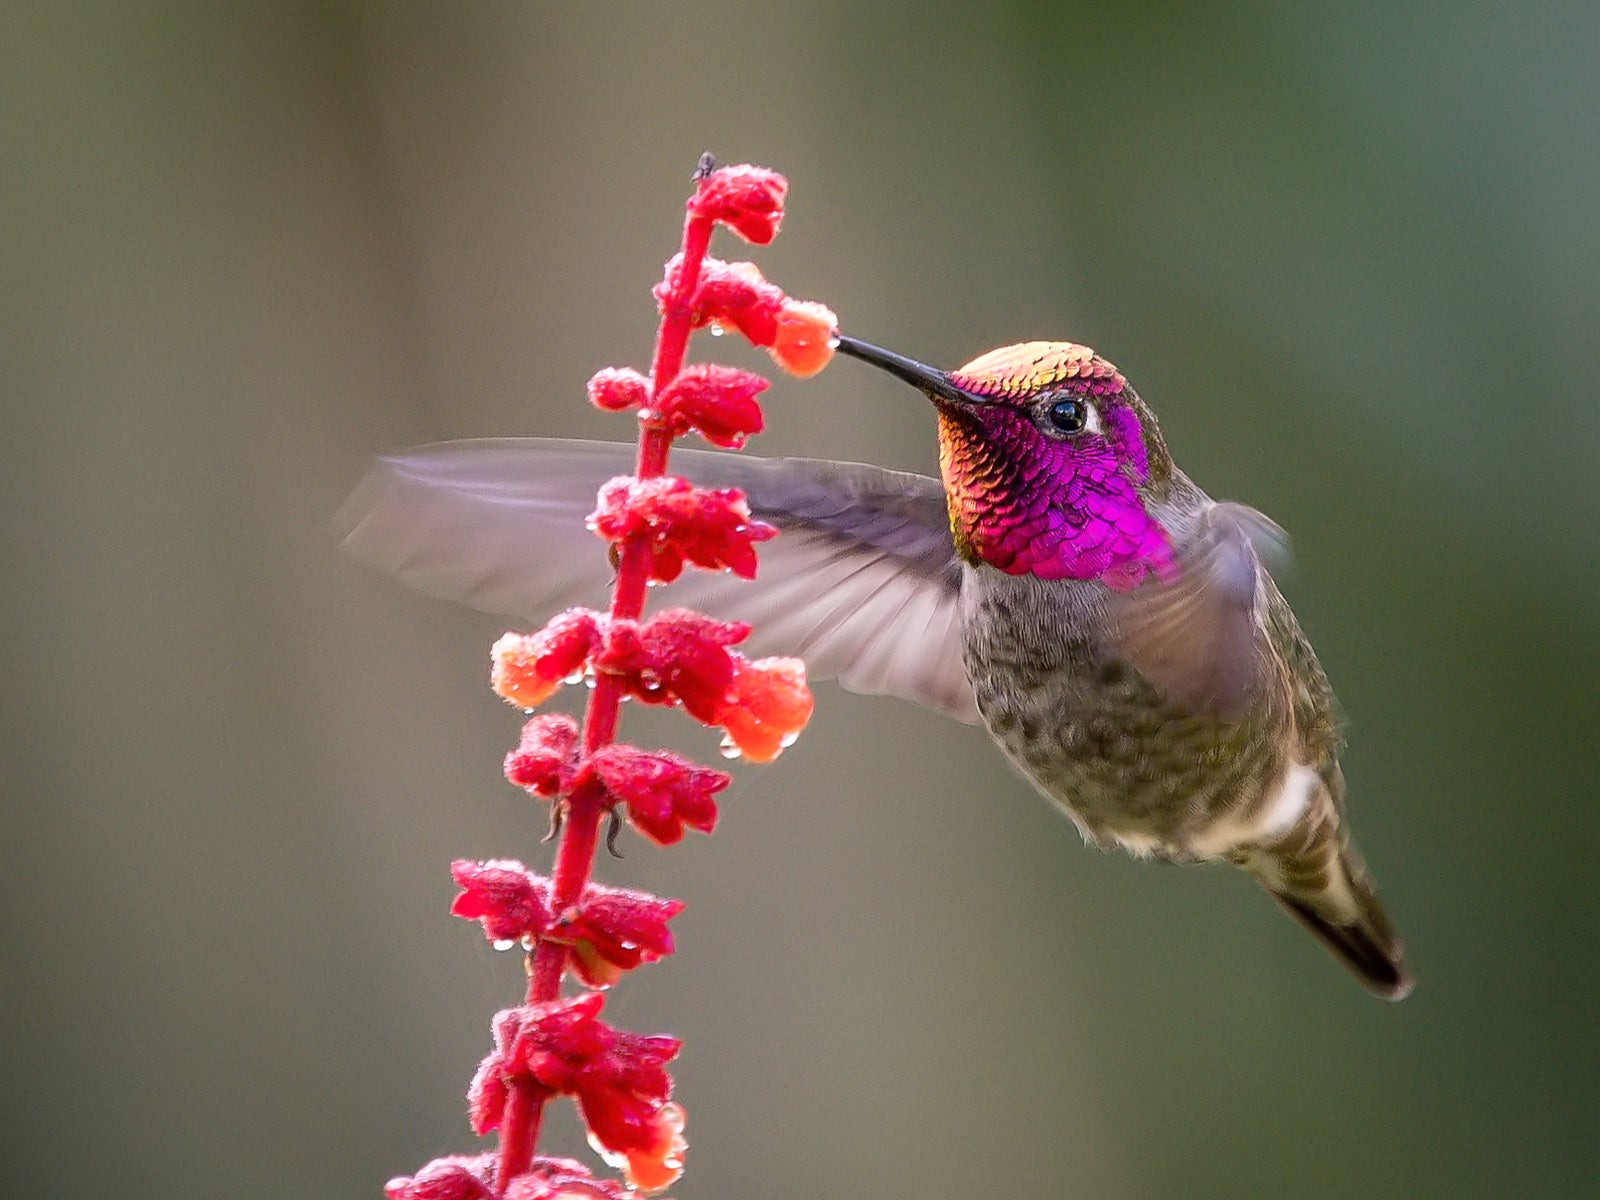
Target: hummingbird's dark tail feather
x: 1367, y: 947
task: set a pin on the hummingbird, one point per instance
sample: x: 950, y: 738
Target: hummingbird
x: 1063, y: 583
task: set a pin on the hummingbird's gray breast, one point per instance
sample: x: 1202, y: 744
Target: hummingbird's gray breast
x: 1128, y: 763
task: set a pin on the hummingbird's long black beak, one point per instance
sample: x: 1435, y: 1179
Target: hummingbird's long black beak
x: 930, y: 381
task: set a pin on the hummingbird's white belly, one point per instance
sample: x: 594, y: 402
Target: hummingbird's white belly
x: 1262, y: 823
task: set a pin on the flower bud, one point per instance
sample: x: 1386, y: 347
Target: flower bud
x: 747, y: 199
x: 805, y: 337
x: 614, y: 389
x: 527, y: 667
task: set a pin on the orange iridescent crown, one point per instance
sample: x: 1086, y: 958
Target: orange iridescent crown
x: 1030, y: 367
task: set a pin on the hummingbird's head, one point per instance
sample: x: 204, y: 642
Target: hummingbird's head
x: 1050, y: 461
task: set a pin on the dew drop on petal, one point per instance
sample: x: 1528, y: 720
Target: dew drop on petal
x: 788, y: 740
x: 503, y: 944
x: 575, y: 677
x: 528, y: 942
x: 833, y: 341
x: 729, y: 748
x: 716, y: 328
x: 608, y: 1156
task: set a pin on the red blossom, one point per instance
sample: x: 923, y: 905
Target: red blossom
x: 544, y: 758
x: 663, y: 792
x: 512, y: 902
x: 610, y: 930
x: 735, y: 295
x: 717, y: 402
x: 768, y: 703
x: 621, y: 1092
x: 455, y: 1177
x: 615, y: 930
x: 677, y: 656
x: 619, y: 1078
x: 616, y: 388
x: 529, y: 666
x: 799, y: 334
x: 748, y: 199
x: 712, y: 529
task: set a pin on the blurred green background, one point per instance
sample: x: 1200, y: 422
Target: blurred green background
x: 1351, y: 256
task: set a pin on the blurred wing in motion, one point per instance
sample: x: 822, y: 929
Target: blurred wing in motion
x: 1200, y: 639
x: 862, y: 582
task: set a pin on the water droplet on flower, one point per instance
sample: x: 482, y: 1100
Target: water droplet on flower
x: 528, y: 942
x: 655, y: 583
x: 833, y: 341
x: 610, y: 1157
x: 729, y: 748
x: 788, y: 740
x: 588, y: 681
x: 575, y: 677
x: 716, y: 329
x: 503, y: 944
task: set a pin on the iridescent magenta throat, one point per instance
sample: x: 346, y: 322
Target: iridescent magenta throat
x: 1058, y: 509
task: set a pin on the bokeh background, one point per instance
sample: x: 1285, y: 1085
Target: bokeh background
x: 1351, y: 256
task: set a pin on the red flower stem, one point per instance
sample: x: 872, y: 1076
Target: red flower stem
x: 580, y: 833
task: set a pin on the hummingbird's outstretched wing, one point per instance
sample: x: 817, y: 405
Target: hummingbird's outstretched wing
x: 1201, y: 638
x: 862, y: 582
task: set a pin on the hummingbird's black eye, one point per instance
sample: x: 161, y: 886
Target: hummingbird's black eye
x: 1068, y: 416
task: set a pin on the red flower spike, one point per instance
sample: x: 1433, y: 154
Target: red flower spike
x: 747, y: 199
x: 543, y: 761
x: 529, y: 666
x: 455, y: 1177
x: 561, y: 1179
x: 663, y: 792
x: 768, y: 704
x: 614, y: 389
x: 717, y: 402
x: 805, y: 337
x: 711, y: 529
x: 551, y: 1046
x: 512, y: 902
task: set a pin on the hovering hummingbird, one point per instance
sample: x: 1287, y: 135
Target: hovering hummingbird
x: 1064, y: 584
